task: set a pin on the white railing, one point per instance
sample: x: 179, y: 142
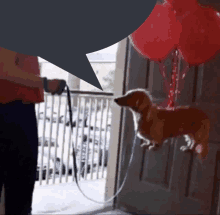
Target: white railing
x: 90, y: 137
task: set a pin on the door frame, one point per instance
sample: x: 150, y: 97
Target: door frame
x: 116, y: 126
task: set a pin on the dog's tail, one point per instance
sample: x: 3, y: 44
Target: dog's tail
x: 203, y: 147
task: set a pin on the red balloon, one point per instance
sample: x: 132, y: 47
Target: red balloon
x: 159, y: 34
x: 185, y: 25
x: 199, y: 40
x: 183, y: 8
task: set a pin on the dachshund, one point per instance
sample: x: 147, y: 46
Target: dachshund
x: 154, y: 125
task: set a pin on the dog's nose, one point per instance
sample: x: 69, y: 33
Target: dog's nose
x: 116, y: 100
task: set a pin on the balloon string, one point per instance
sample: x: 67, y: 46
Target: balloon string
x: 176, y: 83
x: 183, y: 73
x: 182, y: 77
x: 177, y: 76
x: 173, y: 85
x: 162, y: 69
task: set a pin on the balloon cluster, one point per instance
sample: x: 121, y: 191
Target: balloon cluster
x: 180, y: 26
x: 183, y: 25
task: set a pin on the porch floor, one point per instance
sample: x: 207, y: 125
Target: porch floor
x: 113, y: 212
x: 65, y: 198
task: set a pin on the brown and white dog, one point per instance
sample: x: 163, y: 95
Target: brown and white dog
x: 155, y: 125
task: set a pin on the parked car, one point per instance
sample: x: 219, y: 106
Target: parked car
x: 99, y: 138
x: 44, y: 167
x: 62, y: 140
x: 92, y: 148
x: 75, y: 116
x: 106, y: 123
x: 48, y: 114
x: 46, y: 141
x: 57, y: 159
x: 97, y: 135
x: 81, y: 141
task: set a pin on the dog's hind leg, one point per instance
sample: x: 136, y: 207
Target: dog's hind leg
x: 187, y: 138
x: 154, y: 146
x: 146, y: 143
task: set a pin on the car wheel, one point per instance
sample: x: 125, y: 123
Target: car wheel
x: 44, y: 174
x: 85, y: 123
x: 105, y: 159
x: 70, y: 172
x: 85, y: 138
x: 57, y: 166
x: 68, y: 124
x: 108, y: 127
x: 74, y: 124
x: 83, y: 171
x: 61, y: 120
x: 37, y: 176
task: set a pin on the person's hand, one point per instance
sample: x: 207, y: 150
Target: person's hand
x: 55, y: 87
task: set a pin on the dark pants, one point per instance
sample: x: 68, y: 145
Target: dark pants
x: 18, y: 156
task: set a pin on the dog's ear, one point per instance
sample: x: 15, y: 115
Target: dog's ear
x: 144, y: 102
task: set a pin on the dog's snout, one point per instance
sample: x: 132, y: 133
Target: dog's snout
x: 121, y: 101
x: 116, y: 100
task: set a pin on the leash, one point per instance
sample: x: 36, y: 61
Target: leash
x: 62, y: 87
x: 74, y: 158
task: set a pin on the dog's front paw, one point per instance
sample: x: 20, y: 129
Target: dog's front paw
x: 185, y: 149
x: 151, y: 148
x: 154, y: 147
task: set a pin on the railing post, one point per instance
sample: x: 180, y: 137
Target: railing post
x: 74, y: 84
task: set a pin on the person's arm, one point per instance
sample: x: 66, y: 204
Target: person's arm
x: 13, y: 73
x: 25, y: 79
x: 10, y: 71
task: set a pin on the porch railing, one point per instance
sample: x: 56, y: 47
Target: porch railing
x: 90, y: 137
